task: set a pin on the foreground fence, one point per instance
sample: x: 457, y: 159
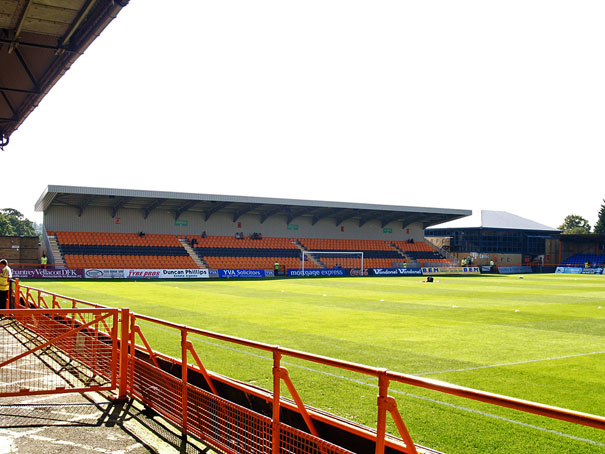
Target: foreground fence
x: 230, y: 415
x: 78, y: 348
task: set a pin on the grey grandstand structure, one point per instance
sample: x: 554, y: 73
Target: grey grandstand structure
x: 84, y: 209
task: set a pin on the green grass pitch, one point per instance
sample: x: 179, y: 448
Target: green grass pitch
x: 539, y: 338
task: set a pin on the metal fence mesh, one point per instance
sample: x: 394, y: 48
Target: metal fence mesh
x: 224, y: 424
x: 44, y: 352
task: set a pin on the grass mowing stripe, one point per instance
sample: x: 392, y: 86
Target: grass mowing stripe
x: 509, y: 364
x: 427, y: 399
x: 501, y: 418
x: 458, y: 407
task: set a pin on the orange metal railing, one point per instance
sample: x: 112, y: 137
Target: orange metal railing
x: 85, y: 335
x: 38, y: 344
x: 202, y: 402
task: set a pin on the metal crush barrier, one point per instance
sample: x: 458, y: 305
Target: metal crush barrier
x: 222, y: 423
x: 157, y: 389
x: 295, y: 440
x: 230, y: 427
x: 57, y: 351
x: 229, y: 415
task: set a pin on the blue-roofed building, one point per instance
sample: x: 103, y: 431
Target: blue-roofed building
x: 499, y: 236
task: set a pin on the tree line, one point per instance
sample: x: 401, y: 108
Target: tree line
x: 575, y: 224
x: 13, y: 223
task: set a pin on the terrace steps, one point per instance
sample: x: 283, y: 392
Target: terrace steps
x: 310, y: 256
x: 57, y: 258
x: 196, y: 258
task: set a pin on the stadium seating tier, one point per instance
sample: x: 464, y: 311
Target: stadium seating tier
x: 581, y: 259
x: 139, y: 250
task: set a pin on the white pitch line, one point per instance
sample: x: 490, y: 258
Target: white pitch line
x: 509, y: 364
x: 459, y: 407
x: 501, y: 418
x: 439, y: 402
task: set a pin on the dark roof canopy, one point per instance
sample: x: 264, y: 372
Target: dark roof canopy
x: 206, y: 205
x: 582, y: 238
x: 39, y: 41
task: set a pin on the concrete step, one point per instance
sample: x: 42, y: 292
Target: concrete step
x: 310, y: 256
x: 196, y: 258
x: 57, y: 258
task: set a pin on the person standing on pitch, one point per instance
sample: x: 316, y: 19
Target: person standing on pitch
x: 5, y: 275
x: 276, y: 268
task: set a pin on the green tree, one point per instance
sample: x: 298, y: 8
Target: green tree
x: 599, y: 227
x: 6, y: 229
x: 18, y: 224
x: 575, y: 224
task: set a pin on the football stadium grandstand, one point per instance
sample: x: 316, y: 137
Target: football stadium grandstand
x: 582, y: 250
x: 74, y: 346
x: 115, y: 228
x: 503, y: 237
x: 104, y: 229
x: 584, y: 259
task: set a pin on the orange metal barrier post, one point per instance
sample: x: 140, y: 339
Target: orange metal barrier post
x: 387, y: 403
x: 299, y: 403
x: 184, y: 369
x: 383, y: 386
x: 17, y: 292
x: 124, y: 343
x: 276, y: 405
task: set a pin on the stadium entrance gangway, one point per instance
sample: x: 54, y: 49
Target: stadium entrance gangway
x: 229, y: 415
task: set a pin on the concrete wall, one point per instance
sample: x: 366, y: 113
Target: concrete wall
x: 162, y: 221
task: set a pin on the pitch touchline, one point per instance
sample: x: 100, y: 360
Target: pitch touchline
x: 509, y: 364
x: 458, y: 407
x: 427, y: 399
x: 491, y: 415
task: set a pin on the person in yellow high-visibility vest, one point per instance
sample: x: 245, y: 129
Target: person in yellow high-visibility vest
x: 5, y: 275
x: 44, y: 260
x: 276, y: 268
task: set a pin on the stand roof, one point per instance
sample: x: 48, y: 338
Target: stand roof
x: 208, y: 204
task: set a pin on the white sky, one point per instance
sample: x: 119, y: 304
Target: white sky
x: 452, y: 104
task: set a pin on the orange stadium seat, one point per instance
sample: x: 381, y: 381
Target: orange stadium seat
x: 133, y: 250
x: 122, y: 250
